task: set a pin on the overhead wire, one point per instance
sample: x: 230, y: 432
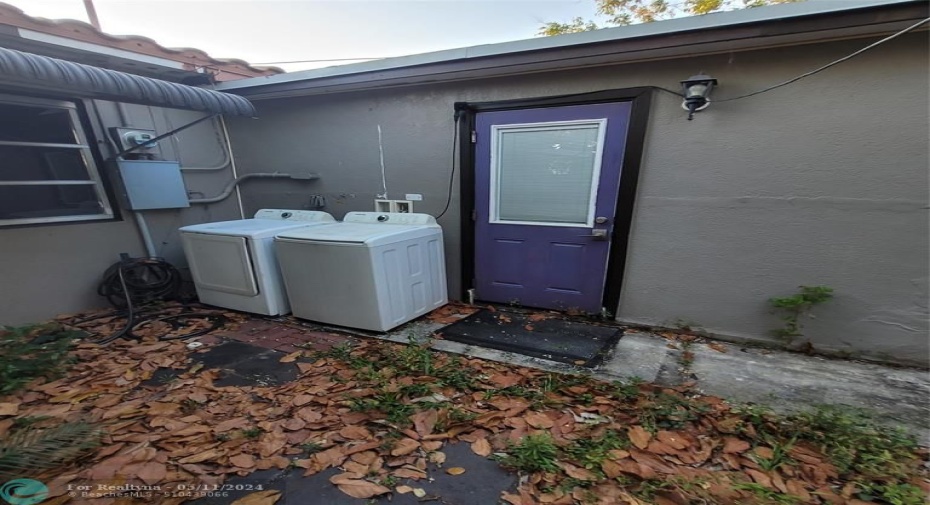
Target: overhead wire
x: 828, y: 65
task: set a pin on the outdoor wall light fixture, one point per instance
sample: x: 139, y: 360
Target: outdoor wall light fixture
x: 697, y: 90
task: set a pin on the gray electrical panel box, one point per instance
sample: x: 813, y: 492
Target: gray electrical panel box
x: 151, y: 184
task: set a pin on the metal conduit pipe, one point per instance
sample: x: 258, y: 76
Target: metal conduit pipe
x: 228, y: 190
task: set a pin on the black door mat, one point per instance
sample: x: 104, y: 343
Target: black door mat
x: 552, y: 338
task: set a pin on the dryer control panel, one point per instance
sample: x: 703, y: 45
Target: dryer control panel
x: 389, y: 218
x: 294, y: 215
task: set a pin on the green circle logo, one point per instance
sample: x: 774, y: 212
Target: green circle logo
x: 23, y: 492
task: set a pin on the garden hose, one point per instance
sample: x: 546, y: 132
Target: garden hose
x: 132, y: 285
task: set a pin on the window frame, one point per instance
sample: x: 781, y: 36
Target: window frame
x: 84, y: 143
x: 496, y: 155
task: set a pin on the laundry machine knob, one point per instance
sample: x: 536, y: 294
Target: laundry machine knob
x: 382, y: 218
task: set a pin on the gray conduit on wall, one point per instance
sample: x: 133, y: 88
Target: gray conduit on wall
x: 238, y: 180
x: 219, y: 127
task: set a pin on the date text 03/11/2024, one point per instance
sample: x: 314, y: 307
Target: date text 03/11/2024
x: 198, y: 490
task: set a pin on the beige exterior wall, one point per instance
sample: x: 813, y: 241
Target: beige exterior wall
x: 823, y: 182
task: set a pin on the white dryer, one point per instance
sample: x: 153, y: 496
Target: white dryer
x: 373, y: 271
x: 233, y: 262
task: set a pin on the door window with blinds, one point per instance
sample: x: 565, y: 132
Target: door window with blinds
x: 47, y: 170
x: 546, y: 173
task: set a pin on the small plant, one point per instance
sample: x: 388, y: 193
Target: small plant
x: 795, y: 306
x: 458, y: 415
x: 252, y: 432
x: 389, y: 403
x: 30, y: 352
x: 311, y: 447
x: 534, y: 453
x: 189, y: 406
x: 779, y: 456
x: 591, y: 452
x: 390, y: 481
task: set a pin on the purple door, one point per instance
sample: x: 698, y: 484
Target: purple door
x: 546, y: 189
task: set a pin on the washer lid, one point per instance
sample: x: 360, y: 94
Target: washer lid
x: 254, y: 228
x: 370, y: 235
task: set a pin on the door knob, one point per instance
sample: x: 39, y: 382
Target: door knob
x: 601, y: 220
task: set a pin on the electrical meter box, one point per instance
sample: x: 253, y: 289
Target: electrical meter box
x: 149, y: 184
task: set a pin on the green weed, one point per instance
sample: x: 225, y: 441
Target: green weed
x: 534, y: 453
x: 797, y: 305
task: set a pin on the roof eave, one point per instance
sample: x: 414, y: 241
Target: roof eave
x: 701, y: 37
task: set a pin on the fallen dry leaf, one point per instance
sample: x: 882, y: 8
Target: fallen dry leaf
x: 455, y: 470
x: 9, y: 409
x: 152, y: 472
x: 733, y: 445
x: 243, y: 460
x: 639, y: 436
x: 363, y: 489
x: 481, y: 447
x: 267, y: 497
x: 717, y: 347
x: 425, y: 421
x: 292, y: 357
x: 538, y: 420
x: 437, y: 458
x: 404, y: 446
x: 578, y: 472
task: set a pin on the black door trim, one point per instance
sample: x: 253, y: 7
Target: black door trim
x: 641, y: 99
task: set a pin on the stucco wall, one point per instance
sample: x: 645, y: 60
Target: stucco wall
x: 54, y: 269
x: 822, y: 182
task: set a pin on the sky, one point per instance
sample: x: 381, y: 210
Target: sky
x: 262, y: 31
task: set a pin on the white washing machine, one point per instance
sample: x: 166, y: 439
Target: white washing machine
x: 233, y: 262
x: 373, y: 271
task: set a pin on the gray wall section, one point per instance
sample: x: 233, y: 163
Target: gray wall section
x: 54, y: 269
x: 822, y: 182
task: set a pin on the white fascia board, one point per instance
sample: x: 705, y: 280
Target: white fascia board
x: 98, y: 49
x: 783, y: 12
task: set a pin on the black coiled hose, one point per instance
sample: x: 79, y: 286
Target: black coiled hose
x: 136, y: 281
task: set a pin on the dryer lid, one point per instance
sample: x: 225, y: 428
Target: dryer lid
x: 259, y: 227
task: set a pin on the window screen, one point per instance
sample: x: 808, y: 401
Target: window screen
x: 547, y: 173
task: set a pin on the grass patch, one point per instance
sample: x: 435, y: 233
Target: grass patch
x: 534, y: 453
x: 591, y: 452
x: 854, y: 443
